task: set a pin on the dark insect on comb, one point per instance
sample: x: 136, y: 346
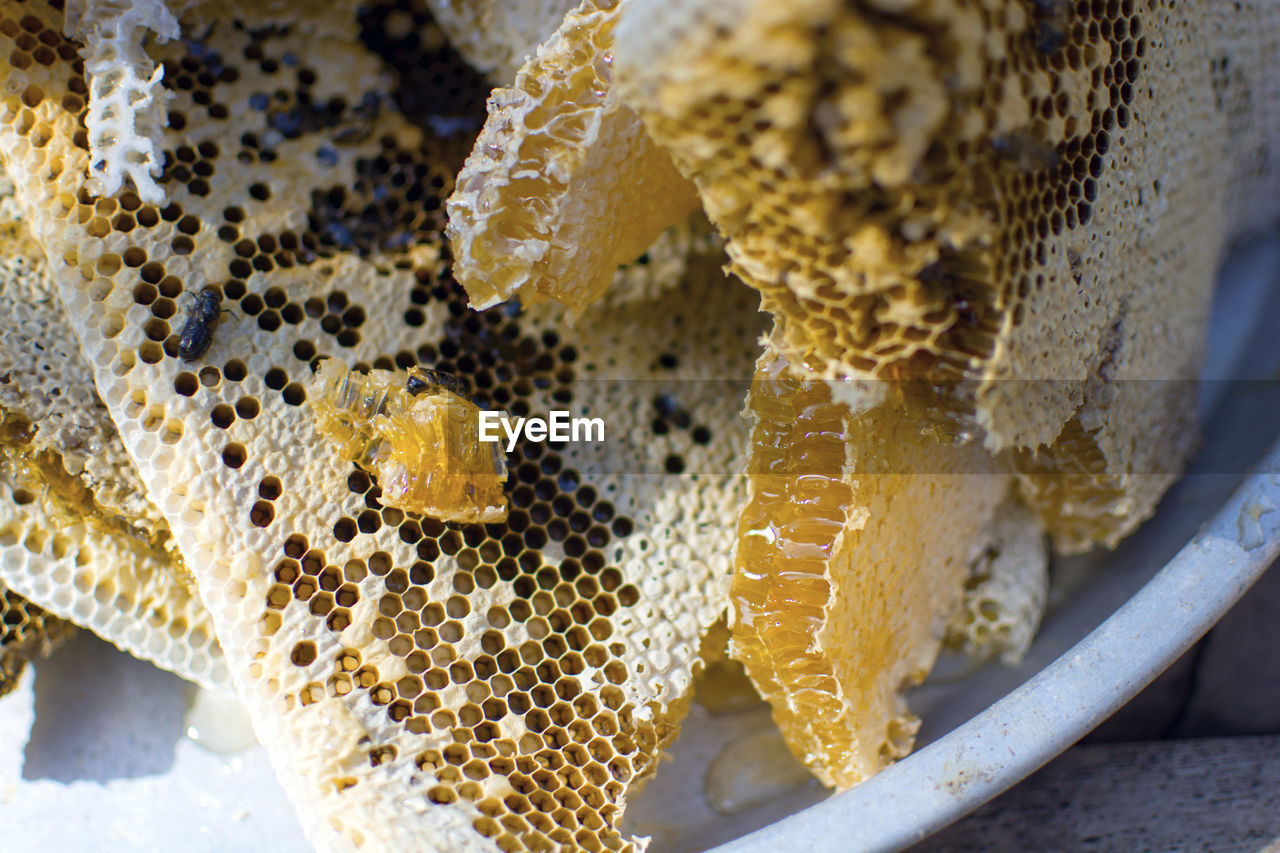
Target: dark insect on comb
x: 423, y: 380
x: 197, y: 334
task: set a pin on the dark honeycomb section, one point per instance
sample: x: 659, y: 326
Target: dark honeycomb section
x: 580, y: 751
x: 437, y: 89
x: 1036, y: 191
x: 396, y: 202
x: 26, y: 632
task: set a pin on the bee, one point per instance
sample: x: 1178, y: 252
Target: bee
x: 197, y: 334
x: 423, y: 380
x: 1053, y: 20
x: 363, y: 117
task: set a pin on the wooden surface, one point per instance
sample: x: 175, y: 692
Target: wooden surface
x: 1191, y: 763
x: 1218, y: 794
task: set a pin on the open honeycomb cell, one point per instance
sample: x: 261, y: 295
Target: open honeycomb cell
x: 419, y: 683
x: 1006, y: 204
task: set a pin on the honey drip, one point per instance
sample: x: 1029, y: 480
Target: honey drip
x: 753, y: 771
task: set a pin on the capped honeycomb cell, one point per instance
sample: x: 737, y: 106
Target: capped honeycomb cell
x: 1008, y: 204
x: 418, y: 683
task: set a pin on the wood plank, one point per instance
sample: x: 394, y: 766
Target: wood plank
x: 1218, y: 794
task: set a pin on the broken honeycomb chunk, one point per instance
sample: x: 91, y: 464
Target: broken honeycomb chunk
x: 1007, y: 587
x: 1087, y: 489
x: 563, y: 183
x: 424, y: 449
x: 26, y: 632
x: 1005, y: 204
x: 126, y: 112
x: 852, y: 556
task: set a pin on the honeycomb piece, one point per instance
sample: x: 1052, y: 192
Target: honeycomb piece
x: 1090, y: 489
x: 49, y: 412
x: 78, y: 535
x: 722, y: 686
x: 563, y: 183
x: 424, y: 450
x: 852, y: 558
x: 419, y: 684
x: 496, y: 36
x: 1007, y: 587
x: 1006, y: 203
x: 126, y: 102
x: 26, y: 632
x: 126, y: 592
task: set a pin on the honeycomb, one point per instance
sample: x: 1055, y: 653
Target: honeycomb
x: 495, y: 36
x: 78, y: 535
x: 1007, y: 588
x: 424, y: 450
x: 419, y: 684
x: 126, y: 102
x: 563, y: 184
x: 839, y: 599
x: 26, y: 632
x: 1009, y: 201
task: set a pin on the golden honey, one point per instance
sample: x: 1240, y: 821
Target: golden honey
x: 424, y: 449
